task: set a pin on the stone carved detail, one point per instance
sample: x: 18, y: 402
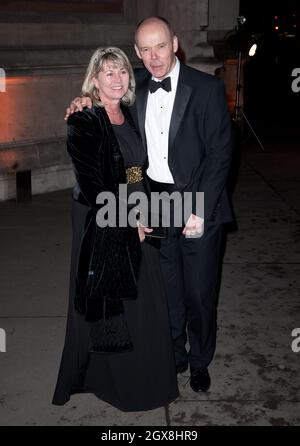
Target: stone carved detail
x: 62, y: 6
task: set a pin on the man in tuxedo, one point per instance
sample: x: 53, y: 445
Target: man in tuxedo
x: 185, y: 125
x: 184, y: 122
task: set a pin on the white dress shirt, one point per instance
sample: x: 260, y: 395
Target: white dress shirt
x: 157, y: 123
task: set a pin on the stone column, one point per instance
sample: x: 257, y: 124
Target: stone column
x: 44, y: 61
x: 145, y: 8
x: 222, y: 18
x: 190, y: 20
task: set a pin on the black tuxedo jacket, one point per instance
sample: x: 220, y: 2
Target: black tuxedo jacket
x: 200, y: 144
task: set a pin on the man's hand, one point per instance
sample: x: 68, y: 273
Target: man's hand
x: 194, y: 227
x: 77, y: 105
x: 143, y: 231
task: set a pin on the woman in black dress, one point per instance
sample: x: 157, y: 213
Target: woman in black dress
x: 118, y: 343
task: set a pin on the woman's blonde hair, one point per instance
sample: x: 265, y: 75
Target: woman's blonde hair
x: 101, y: 56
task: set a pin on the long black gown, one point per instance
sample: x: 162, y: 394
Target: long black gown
x: 138, y: 380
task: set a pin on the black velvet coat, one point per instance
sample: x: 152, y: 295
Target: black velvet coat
x: 109, y: 257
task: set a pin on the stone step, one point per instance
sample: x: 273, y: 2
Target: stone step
x: 202, y: 49
x: 25, y: 58
x: 208, y: 65
x: 22, y: 35
x: 31, y: 46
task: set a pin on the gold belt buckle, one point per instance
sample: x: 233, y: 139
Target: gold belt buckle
x: 134, y: 174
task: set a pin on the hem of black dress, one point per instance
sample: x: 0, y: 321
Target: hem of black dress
x: 144, y: 409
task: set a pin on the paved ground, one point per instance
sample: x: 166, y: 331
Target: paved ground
x: 255, y: 374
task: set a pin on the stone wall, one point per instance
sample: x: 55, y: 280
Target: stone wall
x: 44, y: 57
x: 44, y: 53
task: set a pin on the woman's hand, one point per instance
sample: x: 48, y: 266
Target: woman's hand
x: 77, y: 105
x: 143, y: 231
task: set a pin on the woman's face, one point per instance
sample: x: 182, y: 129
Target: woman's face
x: 112, y: 82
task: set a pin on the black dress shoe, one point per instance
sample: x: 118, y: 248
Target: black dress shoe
x: 182, y: 367
x: 200, y: 380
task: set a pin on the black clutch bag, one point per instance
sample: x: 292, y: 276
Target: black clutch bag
x: 158, y: 232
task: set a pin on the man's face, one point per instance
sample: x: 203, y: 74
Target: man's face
x: 157, y: 48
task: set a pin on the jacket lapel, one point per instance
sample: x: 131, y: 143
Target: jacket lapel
x: 182, y: 97
x: 112, y: 153
x: 141, y: 105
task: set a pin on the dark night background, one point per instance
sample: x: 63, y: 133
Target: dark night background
x: 269, y: 102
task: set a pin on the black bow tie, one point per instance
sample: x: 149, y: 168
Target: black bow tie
x: 165, y: 84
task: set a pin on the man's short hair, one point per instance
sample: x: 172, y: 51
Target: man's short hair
x: 162, y: 19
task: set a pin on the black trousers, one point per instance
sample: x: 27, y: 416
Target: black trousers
x: 190, y: 268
